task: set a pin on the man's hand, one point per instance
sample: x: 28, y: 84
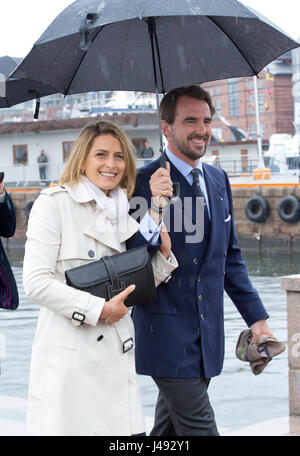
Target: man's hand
x: 161, y: 184
x: 259, y: 328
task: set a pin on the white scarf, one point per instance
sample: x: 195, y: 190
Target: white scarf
x: 115, y: 206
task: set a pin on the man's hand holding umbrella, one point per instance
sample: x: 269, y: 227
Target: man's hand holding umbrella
x: 161, y: 187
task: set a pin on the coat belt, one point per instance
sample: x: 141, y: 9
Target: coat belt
x: 124, y: 335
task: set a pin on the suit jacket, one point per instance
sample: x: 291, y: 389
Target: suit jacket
x: 181, y: 334
x: 9, y: 298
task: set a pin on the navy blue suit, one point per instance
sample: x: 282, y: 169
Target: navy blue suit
x: 181, y: 334
x: 9, y: 298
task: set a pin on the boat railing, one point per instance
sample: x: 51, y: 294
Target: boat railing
x: 28, y: 175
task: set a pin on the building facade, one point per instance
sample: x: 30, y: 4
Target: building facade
x: 21, y: 143
x: 234, y: 100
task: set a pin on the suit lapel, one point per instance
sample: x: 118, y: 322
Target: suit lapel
x: 215, y: 190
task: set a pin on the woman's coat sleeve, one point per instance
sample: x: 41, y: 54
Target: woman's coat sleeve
x: 39, y: 268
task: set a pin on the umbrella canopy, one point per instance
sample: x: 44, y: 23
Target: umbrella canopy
x: 112, y: 44
x: 8, y: 64
x: 15, y: 90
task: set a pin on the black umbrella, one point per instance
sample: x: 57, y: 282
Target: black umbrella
x: 151, y: 45
x: 15, y: 90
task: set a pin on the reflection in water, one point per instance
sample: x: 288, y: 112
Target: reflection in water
x: 239, y: 398
x: 272, y: 265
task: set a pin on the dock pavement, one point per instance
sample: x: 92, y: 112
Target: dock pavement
x: 13, y: 417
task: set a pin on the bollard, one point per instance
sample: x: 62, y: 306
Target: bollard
x: 291, y: 284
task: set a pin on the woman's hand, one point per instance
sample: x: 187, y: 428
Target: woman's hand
x: 165, y: 248
x: 115, y: 309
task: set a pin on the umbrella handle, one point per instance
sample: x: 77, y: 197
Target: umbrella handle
x: 37, y: 108
x: 37, y: 103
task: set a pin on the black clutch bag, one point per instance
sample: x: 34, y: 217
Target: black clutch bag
x: 109, y: 276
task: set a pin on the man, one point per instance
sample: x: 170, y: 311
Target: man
x: 180, y: 336
x: 147, y: 152
x: 42, y: 161
x: 9, y: 298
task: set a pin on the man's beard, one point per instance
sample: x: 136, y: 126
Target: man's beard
x: 183, y: 147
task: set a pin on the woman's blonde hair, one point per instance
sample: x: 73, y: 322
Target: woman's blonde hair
x: 82, y: 146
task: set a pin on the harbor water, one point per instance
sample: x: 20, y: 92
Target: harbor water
x: 239, y: 398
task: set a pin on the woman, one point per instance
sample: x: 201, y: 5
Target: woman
x: 81, y: 381
x: 9, y: 296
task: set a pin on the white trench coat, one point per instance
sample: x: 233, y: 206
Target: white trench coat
x: 80, y: 383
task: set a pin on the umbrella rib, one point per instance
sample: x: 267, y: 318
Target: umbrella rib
x: 237, y: 47
x: 81, y: 60
x: 159, y: 63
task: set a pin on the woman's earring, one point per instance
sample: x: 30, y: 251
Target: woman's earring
x: 82, y: 171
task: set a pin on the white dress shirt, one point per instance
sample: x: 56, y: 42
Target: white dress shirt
x: 185, y: 169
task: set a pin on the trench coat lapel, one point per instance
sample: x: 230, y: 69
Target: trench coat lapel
x: 98, y: 226
x: 112, y: 235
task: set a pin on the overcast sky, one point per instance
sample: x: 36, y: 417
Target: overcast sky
x: 23, y: 21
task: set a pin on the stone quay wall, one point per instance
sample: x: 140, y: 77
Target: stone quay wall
x: 291, y: 284
x: 20, y: 199
x: 274, y: 233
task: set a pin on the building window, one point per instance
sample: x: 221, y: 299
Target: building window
x: 138, y: 144
x: 293, y: 162
x: 251, y: 104
x: 20, y: 154
x: 215, y: 153
x: 252, y: 131
x: 261, y: 102
x: 244, y: 160
x: 233, y: 98
x: 67, y: 147
x: 260, y: 84
x: 218, y: 107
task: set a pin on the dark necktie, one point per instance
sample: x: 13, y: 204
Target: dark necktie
x: 197, y: 189
x: 196, y: 183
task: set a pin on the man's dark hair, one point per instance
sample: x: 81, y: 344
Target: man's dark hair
x: 169, y: 102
